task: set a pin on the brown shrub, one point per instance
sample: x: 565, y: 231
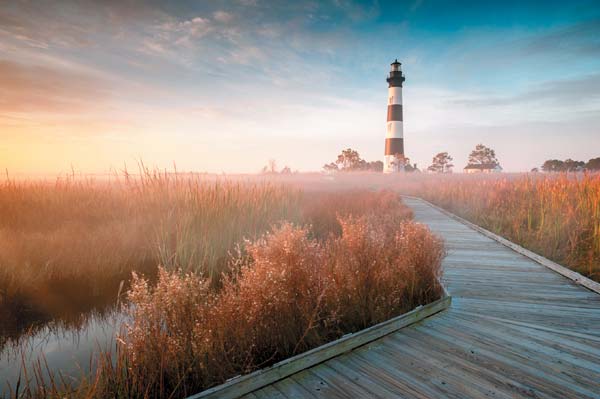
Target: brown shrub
x: 291, y: 293
x: 382, y: 270
x: 322, y: 209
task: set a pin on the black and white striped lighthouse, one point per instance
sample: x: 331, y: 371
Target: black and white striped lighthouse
x: 394, y: 136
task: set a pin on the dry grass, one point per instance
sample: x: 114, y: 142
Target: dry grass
x: 289, y: 291
x: 66, y: 246
x: 322, y: 209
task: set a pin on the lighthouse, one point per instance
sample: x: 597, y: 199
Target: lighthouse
x: 394, y: 136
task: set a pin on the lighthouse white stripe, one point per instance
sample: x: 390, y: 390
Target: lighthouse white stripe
x: 395, y: 95
x: 394, y: 130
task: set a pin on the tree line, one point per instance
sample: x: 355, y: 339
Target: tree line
x: 481, y: 155
x: 349, y: 160
x: 569, y: 165
x: 271, y: 169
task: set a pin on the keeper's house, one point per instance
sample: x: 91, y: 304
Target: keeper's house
x: 483, y: 168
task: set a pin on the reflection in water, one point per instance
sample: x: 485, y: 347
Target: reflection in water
x: 68, y: 350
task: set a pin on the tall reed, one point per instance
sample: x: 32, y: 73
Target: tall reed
x: 66, y: 246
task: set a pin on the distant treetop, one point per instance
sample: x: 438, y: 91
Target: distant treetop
x: 483, y: 155
x: 569, y: 165
x: 349, y: 160
x: 441, y: 163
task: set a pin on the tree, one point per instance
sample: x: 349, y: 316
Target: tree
x: 374, y: 166
x: 411, y: 168
x: 272, y: 166
x: 483, y: 155
x: 400, y: 161
x: 286, y: 171
x: 330, y: 167
x: 361, y: 165
x: 349, y: 159
x: 441, y: 163
x: 553, y: 165
x: 571, y: 165
x: 593, y: 164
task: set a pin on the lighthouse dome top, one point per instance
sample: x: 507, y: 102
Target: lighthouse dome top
x: 395, y: 77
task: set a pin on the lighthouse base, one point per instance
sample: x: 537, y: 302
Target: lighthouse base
x: 393, y: 164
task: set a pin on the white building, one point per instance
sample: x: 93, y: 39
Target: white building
x: 483, y: 168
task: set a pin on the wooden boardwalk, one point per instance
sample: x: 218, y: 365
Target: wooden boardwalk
x: 515, y: 329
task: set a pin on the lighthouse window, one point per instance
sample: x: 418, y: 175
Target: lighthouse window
x: 391, y: 100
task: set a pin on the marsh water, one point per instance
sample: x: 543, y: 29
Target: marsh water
x: 61, y: 331
x: 57, y: 346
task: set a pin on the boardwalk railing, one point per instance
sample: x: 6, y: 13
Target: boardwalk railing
x: 568, y: 273
x: 242, y: 385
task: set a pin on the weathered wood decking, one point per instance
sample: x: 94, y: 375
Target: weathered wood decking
x: 515, y: 329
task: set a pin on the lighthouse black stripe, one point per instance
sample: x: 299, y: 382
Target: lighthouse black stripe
x: 394, y: 112
x: 395, y: 79
x: 394, y: 146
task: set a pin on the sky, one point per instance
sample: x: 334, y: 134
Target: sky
x: 224, y: 86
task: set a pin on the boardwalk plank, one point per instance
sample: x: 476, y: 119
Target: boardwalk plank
x: 376, y: 389
x: 319, y: 387
x: 533, y: 371
x: 347, y: 384
x: 290, y: 388
x: 389, y: 378
x: 268, y: 392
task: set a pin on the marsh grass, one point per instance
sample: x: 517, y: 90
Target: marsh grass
x: 324, y: 265
x: 67, y: 246
x: 290, y: 290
